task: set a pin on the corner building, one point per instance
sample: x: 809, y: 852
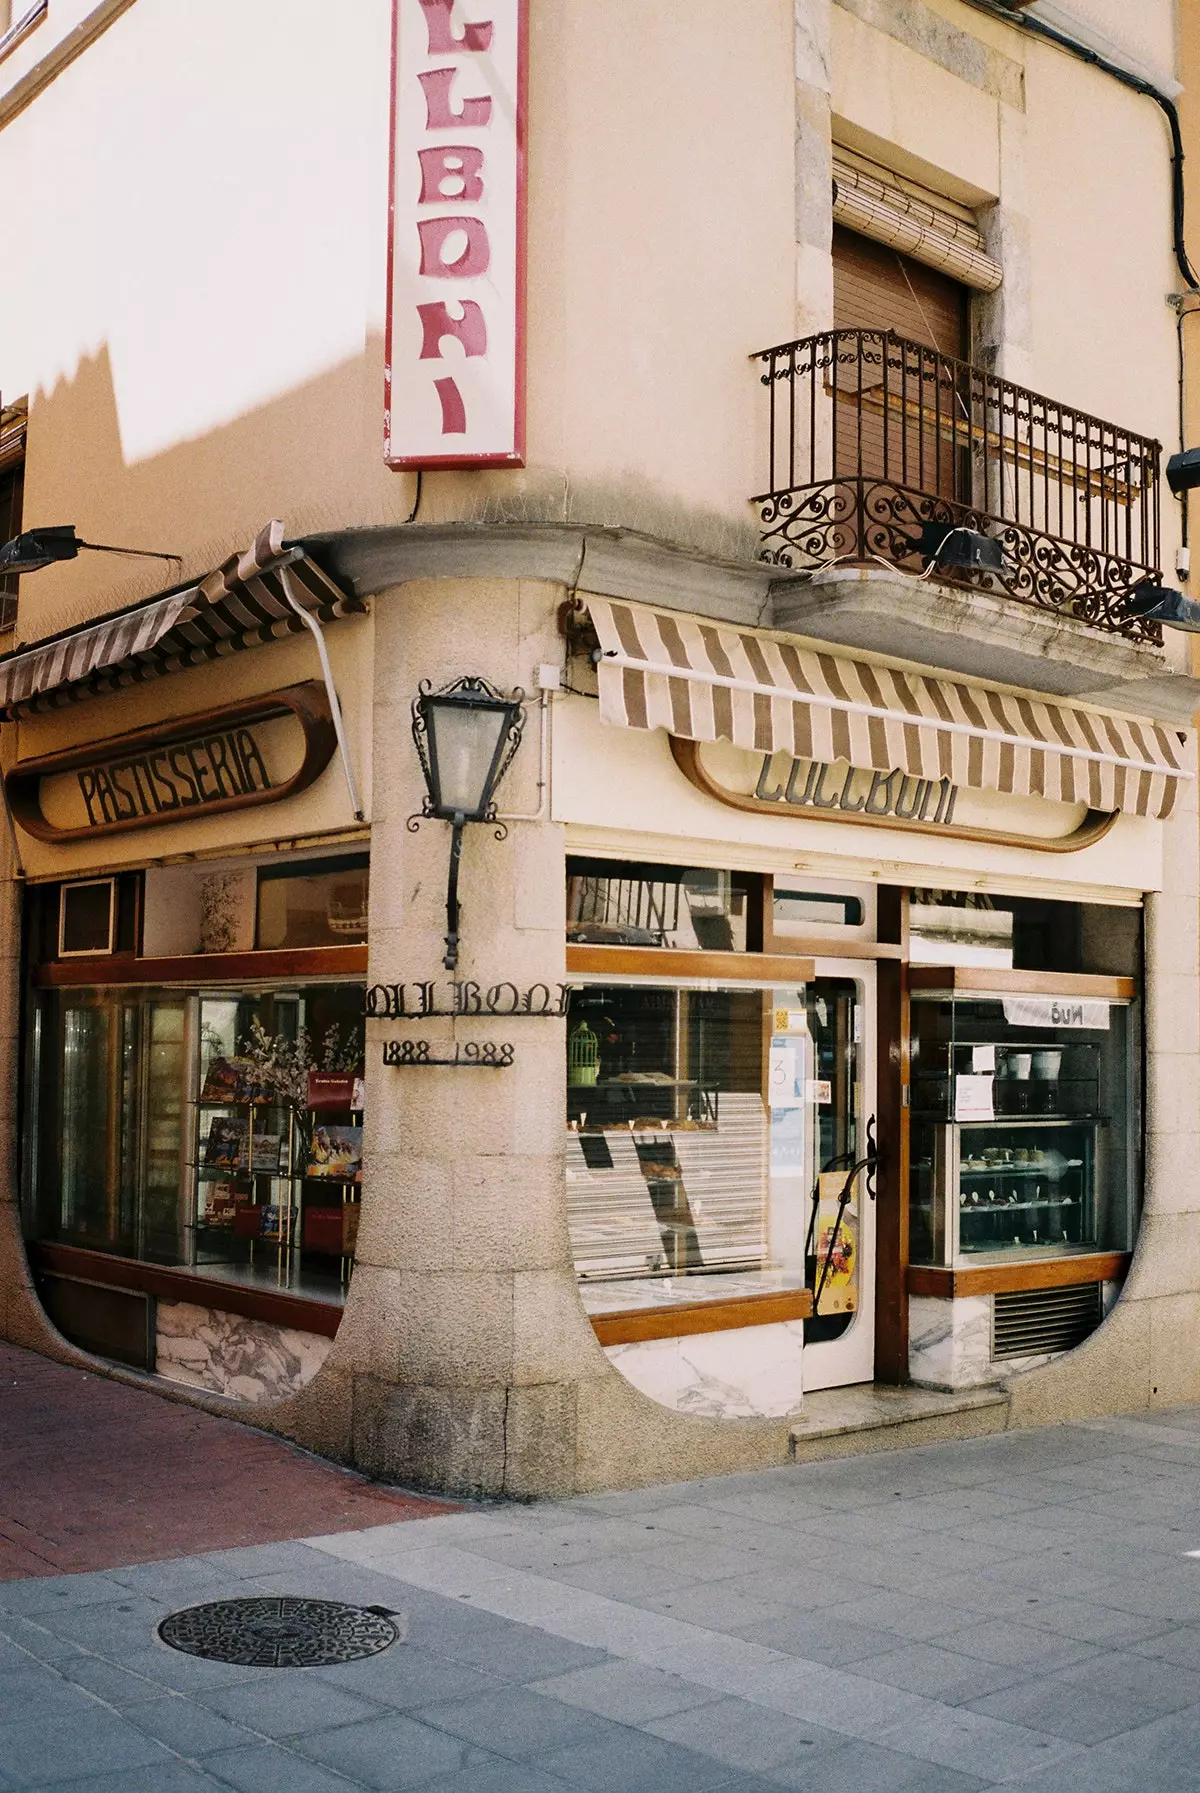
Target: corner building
x: 773, y: 414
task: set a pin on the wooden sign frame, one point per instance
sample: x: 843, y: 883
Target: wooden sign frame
x: 307, y: 702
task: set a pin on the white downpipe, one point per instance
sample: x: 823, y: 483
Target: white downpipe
x: 335, y: 709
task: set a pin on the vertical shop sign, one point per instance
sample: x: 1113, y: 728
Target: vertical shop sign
x: 456, y: 263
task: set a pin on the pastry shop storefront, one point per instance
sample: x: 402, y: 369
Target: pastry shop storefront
x: 796, y: 1041
x: 854, y: 1046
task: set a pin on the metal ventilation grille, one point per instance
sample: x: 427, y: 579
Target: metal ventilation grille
x: 1040, y: 1320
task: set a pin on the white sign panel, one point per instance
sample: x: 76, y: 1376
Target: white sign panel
x: 973, y: 1098
x: 456, y: 279
x: 1056, y: 1011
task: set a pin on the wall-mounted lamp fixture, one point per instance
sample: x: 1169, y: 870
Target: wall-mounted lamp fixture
x: 466, y: 735
x: 1183, y: 471
x: 1163, y: 604
x: 948, y: 545
x: 38, y: 548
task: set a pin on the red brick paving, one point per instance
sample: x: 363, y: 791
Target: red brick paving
x: 96, y: 1475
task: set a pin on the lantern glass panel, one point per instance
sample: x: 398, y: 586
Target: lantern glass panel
x: 464, y: 740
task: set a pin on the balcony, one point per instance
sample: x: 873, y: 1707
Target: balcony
x: 873, y: 437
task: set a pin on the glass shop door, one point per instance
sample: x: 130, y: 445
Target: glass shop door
x: 839, y: 1338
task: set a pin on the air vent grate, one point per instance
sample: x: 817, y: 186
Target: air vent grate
x: 1035, y: 1321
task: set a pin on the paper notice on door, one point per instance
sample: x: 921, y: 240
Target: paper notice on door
x: 784, y: 1090
x: 973, y: 1098
x: 983, y: 1058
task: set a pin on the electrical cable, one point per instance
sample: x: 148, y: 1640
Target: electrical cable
x: 1021, y: 21
x: 1033, y: 27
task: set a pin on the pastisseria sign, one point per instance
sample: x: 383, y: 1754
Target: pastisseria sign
x: 191, y: 775
x: 259, y: 750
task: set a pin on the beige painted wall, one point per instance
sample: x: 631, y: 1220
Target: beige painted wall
x: 198, y: 322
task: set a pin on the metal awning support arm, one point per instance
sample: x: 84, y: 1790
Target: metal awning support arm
x: 335, y: 709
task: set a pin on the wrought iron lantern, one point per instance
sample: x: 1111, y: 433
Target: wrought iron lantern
x: 466, y: 735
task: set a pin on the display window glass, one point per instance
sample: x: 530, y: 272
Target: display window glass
x: 698, y: 1121
x: 220, y: 1131
x: 1024, y: 1128
x: 697, y: 910
x: 321, y: 903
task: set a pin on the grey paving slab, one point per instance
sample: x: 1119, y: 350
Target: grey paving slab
x: 37, y: 1692
x: 115, y: 1686
x: 390, y: 1752
x: 1019, y: 1646
x: 899, y: 1614
x: 55, y: 1593
x: 627, y: 1692
x: 500, y: 1776
x: 1160, y: 1757
x: 630, y: 1759
x: 867, y: 1768
x: 406, y: 1677
x: 518, y: 1722
x: 737, y: 1732
x: 819, y: 1637
x: 291, y: 1702
x: 189, y: 1728
x: 715, y: 1605
x: 972, y: 1742
x: 162, y: 1777
x: 267, y: 1768
x: 938, y: 1674
x: 95, y: 1741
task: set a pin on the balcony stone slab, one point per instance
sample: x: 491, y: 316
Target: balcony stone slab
x: 983, y: 635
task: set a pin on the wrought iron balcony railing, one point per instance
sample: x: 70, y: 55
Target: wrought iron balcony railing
x: 872, y: 437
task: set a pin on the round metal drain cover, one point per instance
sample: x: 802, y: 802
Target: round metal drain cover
x: 279, y: 1631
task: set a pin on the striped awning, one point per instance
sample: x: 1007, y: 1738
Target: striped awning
x: 705, y: 681
x: 241, y: 604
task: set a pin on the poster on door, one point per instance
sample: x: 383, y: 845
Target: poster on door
x: 838, y: 1244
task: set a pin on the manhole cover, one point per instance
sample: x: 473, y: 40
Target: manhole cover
x: 279, y: 1631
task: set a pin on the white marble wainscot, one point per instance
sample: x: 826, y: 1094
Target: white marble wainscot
x: 950, y: 1342
x: 746, y: 1372
x: 248, y: 1359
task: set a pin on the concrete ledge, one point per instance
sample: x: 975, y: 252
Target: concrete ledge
x: 984, y: 636
x: 844, y: 1422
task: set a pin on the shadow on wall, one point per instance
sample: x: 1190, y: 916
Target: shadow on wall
x: 314, y: 457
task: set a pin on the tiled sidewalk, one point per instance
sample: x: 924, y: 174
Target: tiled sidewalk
x: 94, y: 1474
x: 1019, y: 1611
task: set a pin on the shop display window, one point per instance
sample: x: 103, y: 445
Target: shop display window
x: 319, y: 903
x: 697, y: 1120
x: 697, y: 910
x: 219, y: 1131
x: 1023, y: 1127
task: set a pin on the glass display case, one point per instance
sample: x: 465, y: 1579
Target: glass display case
x: 1023, y: 1126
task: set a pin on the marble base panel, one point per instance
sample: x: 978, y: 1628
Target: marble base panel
x: 247, y: 1359
x: 950, y: 1342
x: 749, y: 1372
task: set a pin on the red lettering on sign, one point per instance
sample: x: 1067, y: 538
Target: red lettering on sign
x: 470, y: 329
x: 457, y: 166
x: 439, y: 115
x: 454, y: 412
x: 442, y: 41
x: 437, y: 233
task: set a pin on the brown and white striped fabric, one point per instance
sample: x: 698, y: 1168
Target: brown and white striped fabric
x: 706, y: 681
x: 239, y: 605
